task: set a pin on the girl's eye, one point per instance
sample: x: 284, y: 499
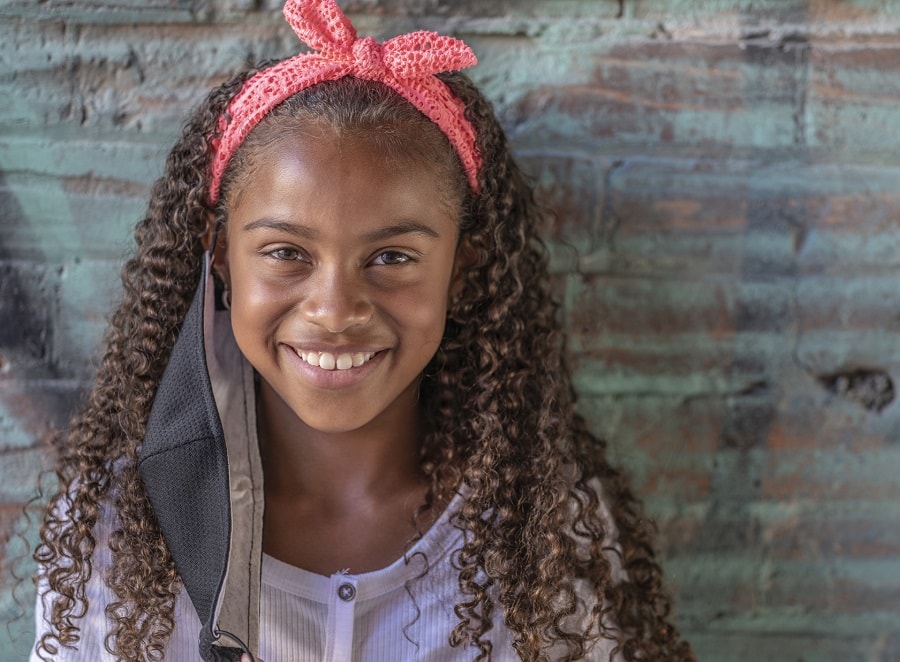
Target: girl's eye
x: 285, y: 254
x: 392, y: 257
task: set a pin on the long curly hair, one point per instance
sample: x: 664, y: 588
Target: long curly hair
x: 497, y: 396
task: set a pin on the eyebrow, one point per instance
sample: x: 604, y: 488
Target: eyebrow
x: 295, y: 229
x: 399, y: 229
x: 306, y: 232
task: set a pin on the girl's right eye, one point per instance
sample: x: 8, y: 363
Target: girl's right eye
x: 285, y: 254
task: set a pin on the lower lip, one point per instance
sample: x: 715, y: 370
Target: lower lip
x: 332, y: 379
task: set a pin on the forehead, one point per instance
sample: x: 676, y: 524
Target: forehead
x: 344, y: 180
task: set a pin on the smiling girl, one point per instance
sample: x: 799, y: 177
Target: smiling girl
x: 356, y: 438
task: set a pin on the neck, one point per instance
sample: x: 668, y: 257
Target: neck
x: 372, y: 462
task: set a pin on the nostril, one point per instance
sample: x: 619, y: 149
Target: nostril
x: 336, y: 313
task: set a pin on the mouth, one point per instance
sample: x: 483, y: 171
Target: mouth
x: 330, y: 361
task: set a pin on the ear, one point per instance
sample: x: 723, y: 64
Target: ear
x: 465, y: 258
x: 220, y: 252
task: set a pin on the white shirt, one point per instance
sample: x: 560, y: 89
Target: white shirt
x: 401, y: 612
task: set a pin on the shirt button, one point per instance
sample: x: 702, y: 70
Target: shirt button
x: 346, y: 592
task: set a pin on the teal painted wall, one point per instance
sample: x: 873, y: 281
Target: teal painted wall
x: 725, y: 242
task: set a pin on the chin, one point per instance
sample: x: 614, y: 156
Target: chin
x: 331, y: 426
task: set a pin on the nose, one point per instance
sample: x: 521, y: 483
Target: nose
x: 336, y: 299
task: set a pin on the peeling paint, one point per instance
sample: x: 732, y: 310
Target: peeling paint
x: 873, y: 389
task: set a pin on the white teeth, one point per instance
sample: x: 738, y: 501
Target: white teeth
x: 328, y: 361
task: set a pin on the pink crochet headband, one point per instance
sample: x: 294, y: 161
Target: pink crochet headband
x: 406, y: 63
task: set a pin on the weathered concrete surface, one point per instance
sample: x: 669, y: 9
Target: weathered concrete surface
x: 725, y: 242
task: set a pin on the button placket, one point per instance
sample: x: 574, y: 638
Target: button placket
x: 342, y: 611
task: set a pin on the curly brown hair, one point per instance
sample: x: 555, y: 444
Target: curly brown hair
x: 536, y: 476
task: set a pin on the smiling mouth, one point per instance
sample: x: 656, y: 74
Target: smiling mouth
x: 329, y: 361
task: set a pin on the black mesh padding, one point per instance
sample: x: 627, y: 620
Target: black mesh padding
x: 184, y: 467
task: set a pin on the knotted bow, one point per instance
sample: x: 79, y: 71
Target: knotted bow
x: 406, y: 63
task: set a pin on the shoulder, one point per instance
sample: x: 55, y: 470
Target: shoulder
x: 592, y: 526
x: 596, y: 536
x: 93, y: 625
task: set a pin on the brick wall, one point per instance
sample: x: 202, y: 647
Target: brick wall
x: 725, y: 244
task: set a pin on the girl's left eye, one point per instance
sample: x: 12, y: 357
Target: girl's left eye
x: 392, y: 257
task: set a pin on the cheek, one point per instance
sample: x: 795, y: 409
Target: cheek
x: 423, y: 312
x: 255, y: 308
x: 251, y: 290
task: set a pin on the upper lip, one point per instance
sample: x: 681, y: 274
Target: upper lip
x: 334, y: 349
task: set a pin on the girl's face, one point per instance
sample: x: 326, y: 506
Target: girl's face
x: 340, y: 263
